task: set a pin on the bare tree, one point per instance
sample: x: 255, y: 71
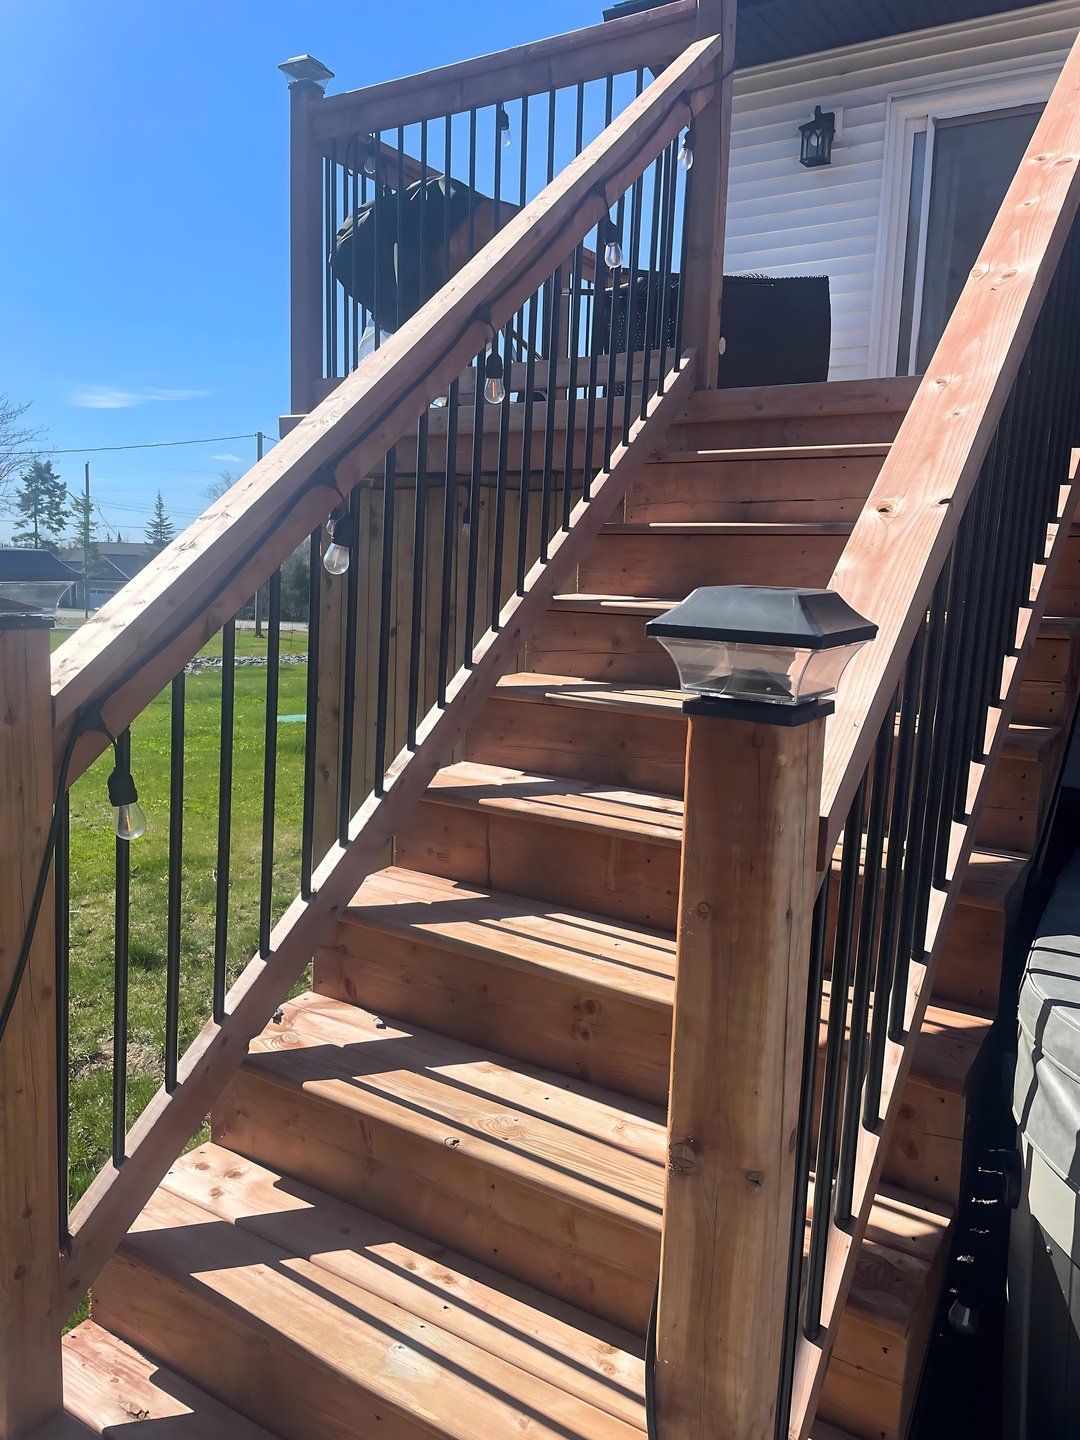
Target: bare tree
x: 16, y: 440
x: 216, y: 489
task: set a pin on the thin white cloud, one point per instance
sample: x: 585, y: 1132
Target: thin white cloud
x: 111, y: 397
x: 234, y: 459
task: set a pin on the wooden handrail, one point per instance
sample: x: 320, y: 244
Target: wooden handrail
x: 900, y: 542
x: 646, y: 39
x: 123, y: 657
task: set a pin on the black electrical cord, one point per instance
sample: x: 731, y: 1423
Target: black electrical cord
x: 77, y: 731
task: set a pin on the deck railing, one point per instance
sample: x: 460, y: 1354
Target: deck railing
x: 499, y: 129
x: 951, y: 557
x: 551, y: 482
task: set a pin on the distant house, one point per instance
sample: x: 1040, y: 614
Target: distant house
x: 116, y: 563
x: 35, y: 579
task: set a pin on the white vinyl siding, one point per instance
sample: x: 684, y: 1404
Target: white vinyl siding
x: 787, y: 220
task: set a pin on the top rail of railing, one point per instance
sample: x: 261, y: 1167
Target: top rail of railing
x: 650, y: 39
x: 116, y: 663
x: 903, y: 536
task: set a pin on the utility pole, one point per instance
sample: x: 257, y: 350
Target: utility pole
x: 258, y: 593
x: 86, y: 542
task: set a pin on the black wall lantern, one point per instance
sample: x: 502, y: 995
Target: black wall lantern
x: 818, y: 135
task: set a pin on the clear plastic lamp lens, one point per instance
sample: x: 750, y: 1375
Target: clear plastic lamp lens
x: 336, y: 559
x: 686, y: 154
x: 129, y: 822
x: 613, y: 255
x: 494, y: 391
x: 778, y: 674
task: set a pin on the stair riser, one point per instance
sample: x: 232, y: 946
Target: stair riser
x: 753, y: 490
x: 615, y: 747
x: 581, y: 1253
x: 673, y: 565
x: 1041, y: 702
x: 868, y: 428
x: 595, y: 1035
x: 628, y: 878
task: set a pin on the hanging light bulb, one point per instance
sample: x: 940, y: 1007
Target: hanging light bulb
x: 129, y: 822
x: 613, y: 249
x: 494, y: 389
x: 686, y: 149
x: 502, y: 124
x: 342, y: 532
x: 371, y: 166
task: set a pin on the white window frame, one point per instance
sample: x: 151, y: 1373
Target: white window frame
x: 906, y: 114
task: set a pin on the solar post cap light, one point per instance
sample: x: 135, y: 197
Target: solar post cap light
x: 761, y: 644
x: 306, y: 67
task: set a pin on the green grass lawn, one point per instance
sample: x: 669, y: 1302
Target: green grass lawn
x: 293, y: 641
x: 93, y: 891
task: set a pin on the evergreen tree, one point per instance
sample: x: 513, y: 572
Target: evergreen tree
x: 41, y: 501
x: 160, y: 530
x: 85, y: 531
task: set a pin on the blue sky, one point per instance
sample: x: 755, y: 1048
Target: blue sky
x: 144, y: 243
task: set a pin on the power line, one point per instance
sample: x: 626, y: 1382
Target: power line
x: 146, y: 445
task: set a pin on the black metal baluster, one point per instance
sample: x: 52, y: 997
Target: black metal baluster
x: 916, y: 829
x: 472, y: 513
x: 526, y: 445
x: 573, y: 345
x: 825, y: 1167
x: 419, y: 550
x: 346, y: 307
x: 175, y: 887
x: 498, y: 540
x: 652, y: 283
x: 386, y: 619
x: 864, y: 970
x: 62, y: 901
x: 273, y: 670
x: 332, y: 314
x: 667, y: 242
x: 311, y: 709
x: 378, y: 222
x: 549, y: 426
x: 448, y: 539
x: 224, y: 835
x: 122, y: 917
x: 804, y: 1134
x: 348, y: 689
x: 636, y: 196
x: 357, y: 314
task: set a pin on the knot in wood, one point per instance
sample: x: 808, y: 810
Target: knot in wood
x: 682, y: 1157
x: 755, y: 1179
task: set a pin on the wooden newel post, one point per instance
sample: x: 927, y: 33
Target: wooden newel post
x: 747, y: 890
x: 307, y: 79
x: 706, y: 212
x: 30, y: 1380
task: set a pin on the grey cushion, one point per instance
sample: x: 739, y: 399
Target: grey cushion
x: 1046, y: 1089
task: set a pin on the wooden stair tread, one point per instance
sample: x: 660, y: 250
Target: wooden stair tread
x: 311, y: 1341
x: 989, y: 879
x: 1028, y: 741
x: 714, y: 454
x: 558, y: 801
x: 593, y: 950
x: 541, y: 1336
x: 564, y: 1135
x: 740, y: 528
x: 108, y: 1384
x: 632, y: 962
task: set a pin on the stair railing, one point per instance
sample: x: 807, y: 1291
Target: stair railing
x: 774, y: 1159
x: 124, y: 681
x: 952, y: 557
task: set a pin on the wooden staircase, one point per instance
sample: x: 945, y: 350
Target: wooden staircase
x: 433, y: 1198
